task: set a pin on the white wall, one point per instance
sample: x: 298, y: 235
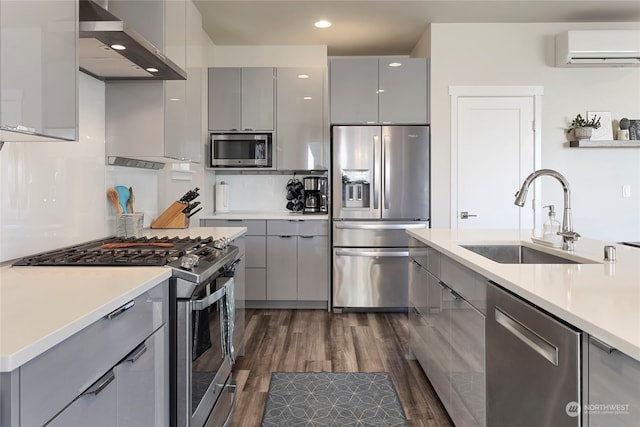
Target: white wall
x: 523, y: 54
x: 52, y: 194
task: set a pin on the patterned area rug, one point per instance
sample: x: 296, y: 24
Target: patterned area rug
x: 332, y: 399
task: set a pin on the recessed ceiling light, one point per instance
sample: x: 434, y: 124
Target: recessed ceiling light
x: 395, y: 64
x: 152, y: 70
x: 322, y: 24
x: 303, y: 76
x: 380, y: 91
x: 174, y: 99
x: 117, y: 47
x: 307, y: 98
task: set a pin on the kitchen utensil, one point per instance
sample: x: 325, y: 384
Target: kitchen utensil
x: 112, y: 195
x: 123, y: 197
x: 132, y: 245
x: 190, y: 195
x: 131, y: 200
x: 194, y: 212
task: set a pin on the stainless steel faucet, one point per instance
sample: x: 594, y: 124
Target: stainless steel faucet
x: 568, y: 235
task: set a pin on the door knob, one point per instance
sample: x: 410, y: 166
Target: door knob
x: 465, y: 215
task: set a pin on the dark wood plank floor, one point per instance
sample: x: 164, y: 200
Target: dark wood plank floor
x: 316, y: 341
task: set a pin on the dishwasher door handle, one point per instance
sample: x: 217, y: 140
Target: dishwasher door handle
x: 527, y: 336
x: 372, y: 254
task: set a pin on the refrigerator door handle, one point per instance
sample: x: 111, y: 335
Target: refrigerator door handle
x: 386, y: 172
x: 374, y: 254
x: 347, y: 226
x: 376, y: 168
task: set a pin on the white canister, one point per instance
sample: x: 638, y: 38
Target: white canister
x: 222, y: 197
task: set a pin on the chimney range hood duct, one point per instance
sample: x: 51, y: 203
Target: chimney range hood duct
x: 99, y: 29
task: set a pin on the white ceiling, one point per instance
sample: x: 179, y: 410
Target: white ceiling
x: 390, y: 27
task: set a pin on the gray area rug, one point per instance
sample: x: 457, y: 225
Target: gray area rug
x: 332, y: 399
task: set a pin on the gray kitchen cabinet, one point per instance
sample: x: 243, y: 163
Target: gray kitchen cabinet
x: 447, y: 332
x: 613, y: 383
x: 301, y: 120
x: 148, y: 119
x: 313, y: 268
x: 241, y: 98
x: 282, y: 268
x: 353, y: 87
x: 297, y: 260
x: 78, y: 381
x: 141, y: 385
x: 255, y: 258
x: 371, y: 90
x: 38, y: 70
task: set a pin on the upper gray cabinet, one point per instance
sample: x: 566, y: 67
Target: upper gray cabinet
x: 301, y: 120
x: 148, y: 119
x: 385, y: 90
x: 241, y: 99
x: 38, y: 70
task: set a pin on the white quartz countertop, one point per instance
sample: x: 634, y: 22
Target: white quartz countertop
x: 598, y: 297
x: 42, y: 306
x: 265, y: 215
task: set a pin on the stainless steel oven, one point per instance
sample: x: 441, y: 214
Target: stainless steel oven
x: 204, y: 389
x: 241, y: 150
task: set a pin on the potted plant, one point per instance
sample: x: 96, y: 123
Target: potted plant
x: 582, y: 128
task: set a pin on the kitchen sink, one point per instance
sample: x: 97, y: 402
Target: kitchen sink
x: 517, y: 254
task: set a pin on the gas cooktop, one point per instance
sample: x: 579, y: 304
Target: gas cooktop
x: 118, y: 251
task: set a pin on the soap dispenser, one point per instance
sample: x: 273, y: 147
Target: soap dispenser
x: 551, y: 227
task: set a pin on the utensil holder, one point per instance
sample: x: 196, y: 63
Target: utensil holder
x: 129, y: 225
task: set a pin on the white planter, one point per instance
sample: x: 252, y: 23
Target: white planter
x: 583, y: 133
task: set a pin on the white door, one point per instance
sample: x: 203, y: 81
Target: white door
x: 493, y: 150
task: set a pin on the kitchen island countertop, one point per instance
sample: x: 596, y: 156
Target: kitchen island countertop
x: 42, y: 306
x: 598, y: 297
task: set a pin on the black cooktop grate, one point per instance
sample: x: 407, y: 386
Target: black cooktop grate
x: 93, y: 254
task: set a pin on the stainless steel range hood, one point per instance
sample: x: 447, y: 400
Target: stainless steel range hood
x: 99, y: 29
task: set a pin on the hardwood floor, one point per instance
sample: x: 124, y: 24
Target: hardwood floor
x: 316, y: 341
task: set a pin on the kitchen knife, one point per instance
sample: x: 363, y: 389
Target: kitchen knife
x: 190, y: 207
x: 194, y: 212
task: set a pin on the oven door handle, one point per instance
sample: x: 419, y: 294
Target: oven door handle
x: 232, y: 387
x: 209, y: 300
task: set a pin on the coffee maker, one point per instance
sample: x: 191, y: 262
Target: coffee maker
x: 315, y: 194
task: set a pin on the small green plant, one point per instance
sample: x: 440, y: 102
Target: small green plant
x: 580, y: 122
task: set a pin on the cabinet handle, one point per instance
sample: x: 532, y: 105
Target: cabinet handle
x: 137, y: 353
x: 527, y: 336
x: 285, y: 237
x: 234, y: 220
x: 601, y: 345
x: 118, y: 311
x: 307, y: 237
x: 100, y: 385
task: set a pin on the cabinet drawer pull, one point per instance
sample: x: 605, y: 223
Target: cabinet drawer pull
x: 285, y: 237
x: 100, y: 385
x: 601, y: 345
x: 527, y: 336
x: 137, y: 353
x: 307, y: 237
x: 118, y: 311
x: 234, y: 220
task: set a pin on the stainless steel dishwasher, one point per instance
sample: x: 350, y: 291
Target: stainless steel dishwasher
x: 533, y: 365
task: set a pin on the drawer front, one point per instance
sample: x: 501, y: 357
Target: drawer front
x: 255, y: 227
x: 52, y: 380
x: 469, y: 284
x: 297, y: 227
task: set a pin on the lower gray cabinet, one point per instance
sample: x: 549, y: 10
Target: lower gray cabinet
x: 141, y: 383
x: 282, y: 268
x: 614, y: 387
x: 447, y: 334
x: 313, y: 268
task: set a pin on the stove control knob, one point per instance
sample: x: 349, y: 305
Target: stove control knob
x: 221, y: 243
x: 189, y: 262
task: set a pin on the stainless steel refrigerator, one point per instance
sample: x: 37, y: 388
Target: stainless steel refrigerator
x: 380, y: 183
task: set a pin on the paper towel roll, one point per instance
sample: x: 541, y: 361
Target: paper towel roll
x: 222, y: 197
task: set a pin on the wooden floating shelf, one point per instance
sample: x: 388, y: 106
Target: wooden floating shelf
x: 587, y: 143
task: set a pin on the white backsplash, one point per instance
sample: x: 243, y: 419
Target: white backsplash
x: 255, y: 192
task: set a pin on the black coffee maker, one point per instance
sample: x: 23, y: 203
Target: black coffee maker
x: 315, y: 194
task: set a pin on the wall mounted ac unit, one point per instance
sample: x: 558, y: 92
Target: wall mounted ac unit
x: 598, y: 48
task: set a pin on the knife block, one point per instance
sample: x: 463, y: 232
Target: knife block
x: 172, y: 217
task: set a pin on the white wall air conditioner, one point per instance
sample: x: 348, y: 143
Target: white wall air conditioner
x: 598, y: 48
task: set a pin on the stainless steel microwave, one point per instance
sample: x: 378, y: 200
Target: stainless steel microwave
x: 241, y: 150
